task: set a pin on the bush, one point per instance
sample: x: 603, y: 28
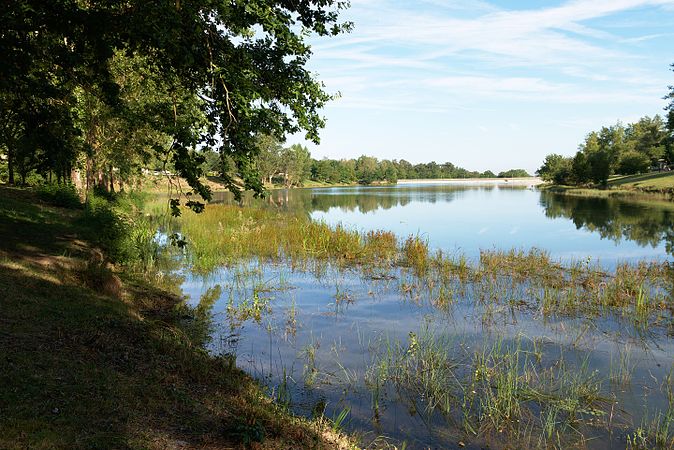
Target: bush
x: 126, y: 237
x: 633, y: 162
x: 64, y: 195
x: 111, y: 227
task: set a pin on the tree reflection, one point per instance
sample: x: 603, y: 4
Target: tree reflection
x: 644, y: 222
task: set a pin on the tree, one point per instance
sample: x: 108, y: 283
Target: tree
x: 648, y: 137
x: 634, y: 162
x: 269, y: 157
x: 295, y: 164
x: 212, y: 162
x: 246, y: 61
x: 612, y: 144
x: 599, y: 150
x: 669, y: 145
x: 388, y: 172
x: 556, y: 168
x: 367, y: 169
x: 580, y: 168
x: 347, y: 171
x: 600, y: 166
x: 514, y: 173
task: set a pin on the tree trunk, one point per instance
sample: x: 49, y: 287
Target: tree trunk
x: 88, y: 175
x: 10, y: 164
x: 99, y: 180
x: 112, y: 180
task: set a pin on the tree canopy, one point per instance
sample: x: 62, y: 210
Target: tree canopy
x: 157, y: 79
x: 619, y: 149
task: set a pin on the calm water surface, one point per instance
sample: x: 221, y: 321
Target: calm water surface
x: 319, y: 335
x: 466, y: 219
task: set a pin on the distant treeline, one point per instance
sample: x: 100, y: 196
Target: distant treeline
x: 643, y: 146
x: 619, y: 149
x: 367, y: 169
x: 293, y: 166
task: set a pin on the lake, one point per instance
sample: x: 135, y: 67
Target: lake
x: 467, y: 219
x: 462, y: 361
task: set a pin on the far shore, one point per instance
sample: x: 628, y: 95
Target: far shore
x: 529, y: 181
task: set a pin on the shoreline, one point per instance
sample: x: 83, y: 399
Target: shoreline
x: 529, y: 181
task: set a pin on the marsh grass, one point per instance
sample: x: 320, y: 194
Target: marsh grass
x: 525, y: 279
x: 502, y: 393
x: 506, y: 392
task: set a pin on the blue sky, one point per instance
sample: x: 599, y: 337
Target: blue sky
x: 490, y: 84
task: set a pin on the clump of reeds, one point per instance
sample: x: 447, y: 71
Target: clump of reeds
x: 500, y: 393
x: 415, y: 255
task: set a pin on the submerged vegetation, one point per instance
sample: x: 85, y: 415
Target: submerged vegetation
x: 498, y: 390
x: 526, y: 279
x: 103, y: 355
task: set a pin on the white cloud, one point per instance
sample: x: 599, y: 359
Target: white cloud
x: 446, y: 77
x: 398, y: 46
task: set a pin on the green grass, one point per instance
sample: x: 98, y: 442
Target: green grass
x: 654, y: 185
x: 649, y: 181
x: 230, y: 235
x: 85, y: 370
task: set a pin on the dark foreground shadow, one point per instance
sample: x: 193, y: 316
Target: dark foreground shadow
x: 84, y: 370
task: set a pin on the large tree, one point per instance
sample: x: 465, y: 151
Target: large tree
x: 670, y: 123
x: 245, y: 60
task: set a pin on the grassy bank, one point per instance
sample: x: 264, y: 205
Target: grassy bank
x: 102, y: 356
x: 651, y: 185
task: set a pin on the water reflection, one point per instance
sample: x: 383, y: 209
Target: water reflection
x: 646, y: 223
x: 467, y: 219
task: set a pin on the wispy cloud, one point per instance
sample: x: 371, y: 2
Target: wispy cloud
x: 391, y: 35
x: 564, y: 67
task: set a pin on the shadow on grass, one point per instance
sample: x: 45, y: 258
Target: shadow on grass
x: 82, y: 370
x: 640, y: 178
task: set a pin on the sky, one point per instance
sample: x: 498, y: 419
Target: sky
x: 489, y: 84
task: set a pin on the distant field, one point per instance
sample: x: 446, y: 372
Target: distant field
x: 649, y: 181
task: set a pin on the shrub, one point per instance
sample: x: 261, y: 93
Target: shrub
x: 125, y: 235
x: 64, y: 195
x: 633, y: 162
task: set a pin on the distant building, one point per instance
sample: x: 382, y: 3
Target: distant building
x: 662, y: 166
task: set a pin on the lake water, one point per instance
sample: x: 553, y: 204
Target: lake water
x: 340, y: 340
x: 467, y: 219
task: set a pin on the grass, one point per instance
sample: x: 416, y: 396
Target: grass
x: 654, y: 185
x: 651, y: 181
x: 522, y: 279
x: 504, y: 393
x: 86, y: 370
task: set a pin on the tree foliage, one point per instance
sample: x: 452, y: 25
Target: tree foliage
x: 514, y: 173
x: 205, y: 73
x: 618, y: 149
